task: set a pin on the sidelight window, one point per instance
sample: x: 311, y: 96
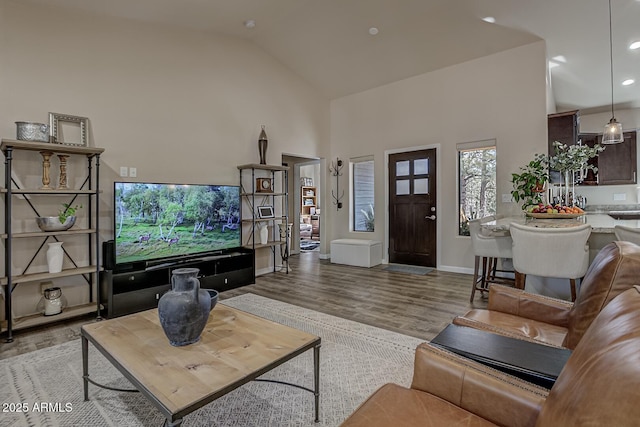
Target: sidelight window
x: 362, y: 194
x: 476, y: 182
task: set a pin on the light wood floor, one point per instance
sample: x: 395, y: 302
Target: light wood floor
x: 420, y: 306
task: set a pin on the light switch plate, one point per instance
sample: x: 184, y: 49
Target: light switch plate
x: 124, y: 171
x: 133, y: 172
x: 619, y: 196
x: 506, y: 198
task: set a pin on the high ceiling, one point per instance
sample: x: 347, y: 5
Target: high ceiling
x: 328, y: 43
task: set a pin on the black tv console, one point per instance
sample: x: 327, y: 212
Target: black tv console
x: 125, y: 292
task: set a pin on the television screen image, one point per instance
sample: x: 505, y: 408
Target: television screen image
x: 164, y: 221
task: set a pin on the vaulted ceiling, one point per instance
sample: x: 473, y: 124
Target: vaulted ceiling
x: 328, y: 42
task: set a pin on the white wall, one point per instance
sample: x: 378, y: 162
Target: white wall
x: 180, y: 106
x: 502, y: 96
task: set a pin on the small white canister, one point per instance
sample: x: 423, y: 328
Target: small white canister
x: 52, y: 301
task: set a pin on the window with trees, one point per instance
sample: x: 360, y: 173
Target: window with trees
x: 362, y: 194
x: 476, y: 182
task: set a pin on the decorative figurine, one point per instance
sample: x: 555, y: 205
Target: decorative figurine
x: 62, y: 183
x: 46, y: 166
x: 262, y: 146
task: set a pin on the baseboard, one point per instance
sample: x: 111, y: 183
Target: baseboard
x: 324, y: 256
x: 454, y: 269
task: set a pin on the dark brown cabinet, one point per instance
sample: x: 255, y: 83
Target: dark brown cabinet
x: 562, y: 127
x: 617, y: 163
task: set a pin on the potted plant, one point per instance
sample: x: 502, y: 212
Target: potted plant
x: 528, y: 186
x: 66, y: 211
x: 63, y: 221
x: 570, y: 160
x: 573, y: 158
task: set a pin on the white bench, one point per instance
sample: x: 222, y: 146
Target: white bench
x: 358, y: 252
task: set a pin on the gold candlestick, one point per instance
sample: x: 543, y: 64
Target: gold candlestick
x: 62, y: 182
x: 46, y: 166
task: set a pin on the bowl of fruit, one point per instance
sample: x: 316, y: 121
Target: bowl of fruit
x: 554, y: 211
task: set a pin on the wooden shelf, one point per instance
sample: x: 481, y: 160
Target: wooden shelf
x: 264, y: 167
x: 46, y: 146
x: 277, y: 218
x: 49, y: 233
x: 262, y: 194
x: 266, y: 245
x: 53, y: 192
x: 35, y: 277
x: 67, y: 313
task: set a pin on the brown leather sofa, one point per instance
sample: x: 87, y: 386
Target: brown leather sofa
x: 519, y: 314
x: 597, y: 387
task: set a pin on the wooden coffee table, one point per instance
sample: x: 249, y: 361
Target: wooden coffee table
x: 236, y: 347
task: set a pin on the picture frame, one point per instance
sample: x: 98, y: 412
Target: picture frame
x: 57, y: 121
x: 265, y: 212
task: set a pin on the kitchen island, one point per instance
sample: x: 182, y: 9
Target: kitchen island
x: 602, y: 227
x: 600, y: 222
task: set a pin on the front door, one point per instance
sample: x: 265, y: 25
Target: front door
x: 412, y: 208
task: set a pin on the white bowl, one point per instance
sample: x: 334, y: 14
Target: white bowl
x: 52, y: 223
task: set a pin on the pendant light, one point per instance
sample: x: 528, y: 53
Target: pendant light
x: 612, y: 130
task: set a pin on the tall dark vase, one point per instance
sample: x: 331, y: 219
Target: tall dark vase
x: 184, y: 310
x: 262, y: 146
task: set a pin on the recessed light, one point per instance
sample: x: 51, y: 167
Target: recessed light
x: 250, y: 23
x: 628, y: 82
x: 634, y: 45
x: 373, y: 31
x: 560, y: 58
x: 489, y: 19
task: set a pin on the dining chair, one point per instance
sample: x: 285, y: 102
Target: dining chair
x: 488, y: 248
x: 627, y: 234
x: 561, y: 252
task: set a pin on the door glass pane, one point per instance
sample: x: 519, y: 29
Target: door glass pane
x: 421, y: 186
x: 402, y: 187
x: 402, y: 168
x: 421, y: 166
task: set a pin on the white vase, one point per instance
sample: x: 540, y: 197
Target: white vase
x: 264, y: 234
x: 55, y: 256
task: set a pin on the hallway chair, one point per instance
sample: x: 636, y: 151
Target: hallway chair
x: 627, y: 234
x: 488, y: 249
x: 550, y: 252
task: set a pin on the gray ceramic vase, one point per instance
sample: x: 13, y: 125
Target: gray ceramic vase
x: 184, y: 310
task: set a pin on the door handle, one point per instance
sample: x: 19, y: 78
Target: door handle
x: 432, y: 217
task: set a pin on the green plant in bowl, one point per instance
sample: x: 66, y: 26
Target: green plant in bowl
x: 66, y: 211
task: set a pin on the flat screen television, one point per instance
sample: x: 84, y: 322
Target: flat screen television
x: 157, y: 222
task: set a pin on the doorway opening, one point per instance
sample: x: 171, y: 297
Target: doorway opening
x: 305, y: 203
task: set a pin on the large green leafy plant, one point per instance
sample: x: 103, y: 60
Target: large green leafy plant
x: 573, y: 158
x: 528, y: 185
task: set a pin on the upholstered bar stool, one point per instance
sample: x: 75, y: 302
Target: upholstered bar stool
x: 561, y: 252
x: 627, y: 234
x: 488, y: 249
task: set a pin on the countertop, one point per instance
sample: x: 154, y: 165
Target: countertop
x: 600, y: 222
x: 603, y: 223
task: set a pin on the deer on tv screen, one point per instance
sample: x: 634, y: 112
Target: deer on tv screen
x: 156, y: 221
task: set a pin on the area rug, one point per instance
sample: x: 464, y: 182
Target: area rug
x: 355, y: 360
x: 309, y: 245
x: 409, y: 269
